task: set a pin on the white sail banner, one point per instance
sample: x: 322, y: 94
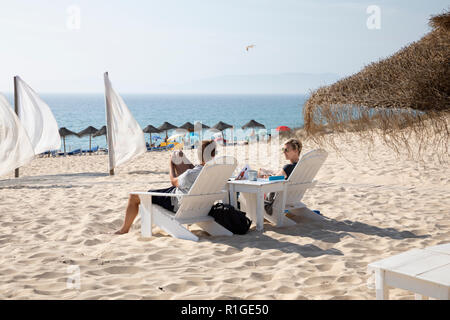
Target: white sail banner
x: 15, y: 146
x: 125, y: 136
x: 37, y: 119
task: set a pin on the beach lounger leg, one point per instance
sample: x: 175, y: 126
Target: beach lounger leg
x: 172, y: 227
x: 382, y: 291
x: 214, y: 229
x: 145, y: 210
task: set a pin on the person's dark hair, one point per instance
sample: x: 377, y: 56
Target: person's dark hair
x: 294, y: 144
x: 207, y: 150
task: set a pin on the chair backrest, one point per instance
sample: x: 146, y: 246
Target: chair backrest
x: 211, y: 180
x: 303, y: 174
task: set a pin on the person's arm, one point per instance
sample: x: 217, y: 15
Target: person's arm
x: 282, y: 173
x: 172, y: 175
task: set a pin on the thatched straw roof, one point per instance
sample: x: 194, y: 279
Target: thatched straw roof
x: 405, y: 94
x: 222, y: 126
x: 188, y: 126
x: 151, y: 129
x: 64, y: 132
x: 253, y: 124
x: 166, y: 126
x: 204, y: 126
x: 100, y: 132
x: 88, y: 131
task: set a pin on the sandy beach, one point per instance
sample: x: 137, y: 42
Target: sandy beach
x: 62, y: 212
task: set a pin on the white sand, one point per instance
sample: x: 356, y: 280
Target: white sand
x: 62, y: 211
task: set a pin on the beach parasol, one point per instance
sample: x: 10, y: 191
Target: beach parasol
x: 204, y: 126
x: 64, y: 132
x: 151, y: 129
x: 221, y: 126
x: 403, y: 96
x: 101, y: 132
x: 283, y: 128
x: 253, y: 124
x: 166, y: 126
x: 188, y: 126
x: 88, y: 131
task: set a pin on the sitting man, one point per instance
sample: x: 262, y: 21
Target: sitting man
x: 182, y: 176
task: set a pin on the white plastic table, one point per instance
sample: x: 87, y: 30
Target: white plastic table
x: 254, y: 191
x: 426, y: 272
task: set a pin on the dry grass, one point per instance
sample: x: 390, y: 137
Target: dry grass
x: 406, y: 95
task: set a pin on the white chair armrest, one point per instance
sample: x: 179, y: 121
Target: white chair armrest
x: 161, y: 194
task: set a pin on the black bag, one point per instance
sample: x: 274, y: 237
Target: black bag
x: 230, y: 218
x: 268, y: 202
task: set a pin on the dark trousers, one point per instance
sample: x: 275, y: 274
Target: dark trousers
x: 165, y: 202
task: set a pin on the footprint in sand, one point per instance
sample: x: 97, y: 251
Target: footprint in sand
x: 319, y: 280
x: 350, y: 279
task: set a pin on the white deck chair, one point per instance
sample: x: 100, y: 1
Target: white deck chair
x: 209, y: 187
x: 296, y: 185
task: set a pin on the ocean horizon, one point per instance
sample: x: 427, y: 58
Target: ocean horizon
x: 77, y: 111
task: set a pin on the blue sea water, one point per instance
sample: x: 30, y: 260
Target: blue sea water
x: 78, y: 111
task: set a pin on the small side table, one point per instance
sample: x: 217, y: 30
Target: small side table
x: 254, y: 191
x: 426, y: 272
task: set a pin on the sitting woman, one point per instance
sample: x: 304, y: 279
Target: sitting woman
x: 182, y: 176
x: 291, y: 150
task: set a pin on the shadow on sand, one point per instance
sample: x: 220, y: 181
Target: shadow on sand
x: 48, y: 181
x: 312, y: 225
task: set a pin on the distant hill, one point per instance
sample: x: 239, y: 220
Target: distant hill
x: 299, y: 83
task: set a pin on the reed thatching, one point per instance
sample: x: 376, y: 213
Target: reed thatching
x: 404, y: 96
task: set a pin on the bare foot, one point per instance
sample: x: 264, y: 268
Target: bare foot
x: 120, y: 232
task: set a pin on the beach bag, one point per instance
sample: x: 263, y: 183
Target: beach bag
x: 230, y: 218
x: 268, y: 202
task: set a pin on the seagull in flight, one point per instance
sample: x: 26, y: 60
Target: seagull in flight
x: 250, y: 46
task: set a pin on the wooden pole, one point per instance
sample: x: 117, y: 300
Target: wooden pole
x: 108, y: 127
x: 16, y: 109
x: 64, y: 139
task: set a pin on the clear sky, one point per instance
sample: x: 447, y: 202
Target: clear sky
x: 147, y: 43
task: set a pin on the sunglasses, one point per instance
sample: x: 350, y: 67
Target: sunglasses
x: 284, y: 150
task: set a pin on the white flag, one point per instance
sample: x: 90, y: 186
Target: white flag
x: 37, y: 119
x: 15, y: 146
x: 125, y: 136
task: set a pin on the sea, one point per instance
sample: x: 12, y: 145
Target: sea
x: 78, y: 111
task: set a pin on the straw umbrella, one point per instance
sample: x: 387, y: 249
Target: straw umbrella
x: 221, y: 126
x: 151, y: 129
x: 402, y: 96
x: 101, y: 132
x: 188, y: 126
x: 253, y: 124
x: 64, y: 132
x: 165, y: 127
x: 204, y: 126
x: 88, y: 131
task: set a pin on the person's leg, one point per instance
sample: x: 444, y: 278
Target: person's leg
x: 165, y: 202
x: 133, y: 207
x: 130, y: 213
